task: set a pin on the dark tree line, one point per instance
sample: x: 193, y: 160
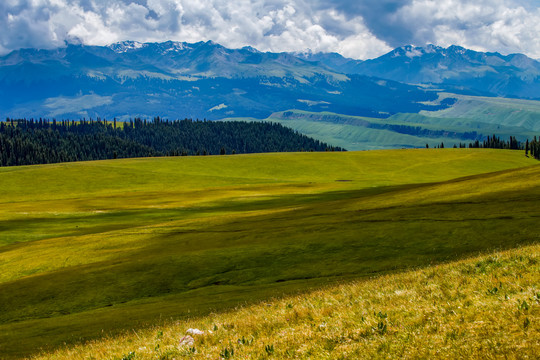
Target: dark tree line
x: 491, y: 142
x: 27, y: 142
x: 533, y: 147
x: 495, y: 142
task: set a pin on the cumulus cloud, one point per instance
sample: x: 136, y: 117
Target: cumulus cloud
x: 358, y: 29
x: 486, y: 25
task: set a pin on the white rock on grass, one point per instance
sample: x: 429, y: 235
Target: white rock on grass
x: 195, y: 331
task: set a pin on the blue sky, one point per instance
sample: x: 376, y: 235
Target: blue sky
x: 359, y: 29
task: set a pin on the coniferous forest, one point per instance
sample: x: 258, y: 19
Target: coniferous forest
x: 495, y: 142
x: 27, y: 142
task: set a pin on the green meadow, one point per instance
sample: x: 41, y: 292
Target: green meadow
x: 485, y: 116
x: 491, y: 110
x: 93, y: 248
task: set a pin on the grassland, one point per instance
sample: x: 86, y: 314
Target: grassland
x: 484, y: 115
x: 92, y: 248
x: 481, y: 308
x: 491, y: 110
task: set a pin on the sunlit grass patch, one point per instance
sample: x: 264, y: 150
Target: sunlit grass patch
x: 89, y: 249
x: 445, y: 311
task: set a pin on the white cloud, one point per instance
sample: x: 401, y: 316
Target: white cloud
x: 486, y: 25
x: 279, y: 25
x: 355, y: 29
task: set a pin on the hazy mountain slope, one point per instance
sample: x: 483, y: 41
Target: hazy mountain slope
x: 453, y: 68
x: 172, y: 79
x: 333, y: 61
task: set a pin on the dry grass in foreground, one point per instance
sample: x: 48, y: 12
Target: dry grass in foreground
x: 484, y: 307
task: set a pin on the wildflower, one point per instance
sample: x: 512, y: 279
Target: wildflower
x: 186, y: 341
x: 195, y: 331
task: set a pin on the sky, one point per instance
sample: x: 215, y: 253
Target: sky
x: 359, y: 29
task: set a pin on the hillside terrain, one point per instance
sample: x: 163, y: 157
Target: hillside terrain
x: 482, y: 307
x: 178, y: 80
x: 413, y: 95
x: 206, y: 80
x: 500, y: 112
x: 467, y: 119
x: 94, y: 248
x: 454, y: 69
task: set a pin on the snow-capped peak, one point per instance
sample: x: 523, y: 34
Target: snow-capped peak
x: 415, y: 52
x: 125, y: 46
x: 408, y: 51
x: 251, y: 49
x: 457, y: 49
x: 174, y: 46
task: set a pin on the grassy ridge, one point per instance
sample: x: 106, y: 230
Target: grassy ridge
x: 483, y: 307
x: 491, y: 110
x: 130, y: 241
x: 484, y: 115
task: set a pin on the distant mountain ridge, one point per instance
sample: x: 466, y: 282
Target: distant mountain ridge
x: 206, y: 80
x: 334, y: 61
x: 177, y: 80
x: 173, y: 60
x: 455, y: 68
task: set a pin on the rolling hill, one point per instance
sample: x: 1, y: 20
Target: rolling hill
x: 100, y: 247
x: 480, y: 307
x: 467, y: 119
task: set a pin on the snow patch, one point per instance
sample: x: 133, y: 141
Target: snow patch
x: 218, y: 107
x: 96, y: 75
x: 125, y: 46
x: 251, y: 49
x: 313, y: 103
x: 175, y: 46
x: 412, y: 53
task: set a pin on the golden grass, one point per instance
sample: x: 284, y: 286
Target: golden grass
x: 485, y: 307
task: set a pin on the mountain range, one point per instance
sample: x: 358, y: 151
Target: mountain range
x: 177, y: 80
x: 454, y: 68
x: 206, y: 80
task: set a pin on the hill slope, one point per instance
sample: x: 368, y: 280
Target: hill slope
x: 481, y: 307
x: 186, y: 236
x: 469, y: 118
x: 498, y: 112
